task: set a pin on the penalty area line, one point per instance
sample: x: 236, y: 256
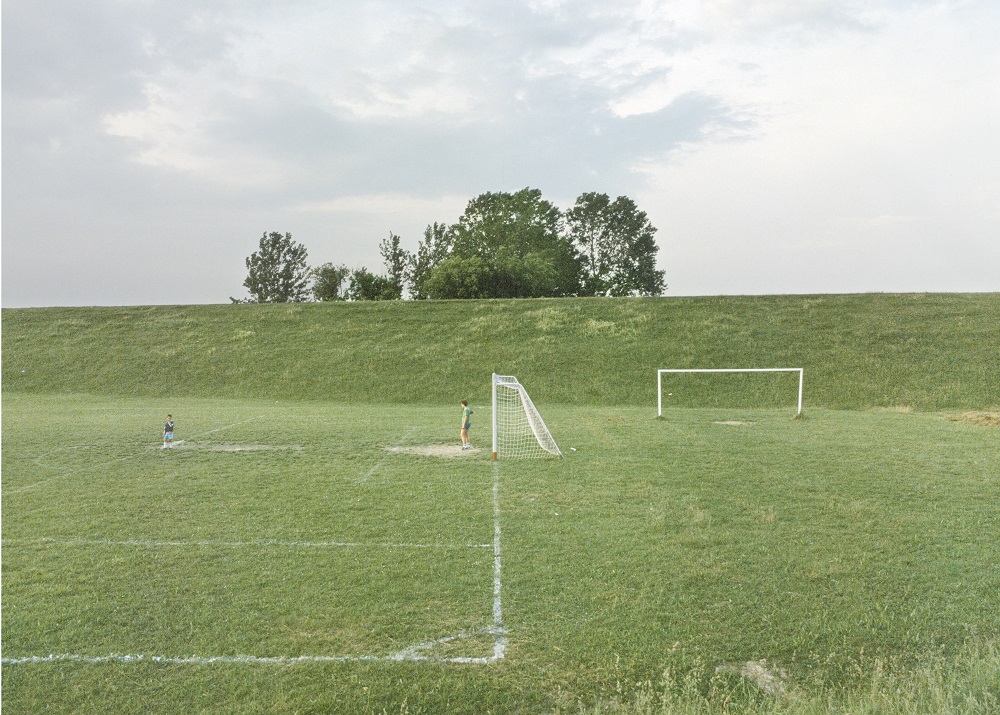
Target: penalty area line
x: 241, y: 659
x: 412, y: 654
x: 108, y: 463
x: 378, y: 465
x: 238, y: 544
x: 417, y: 653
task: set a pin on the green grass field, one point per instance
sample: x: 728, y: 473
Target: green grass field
x: 316, y: 542
x: 283, y: 558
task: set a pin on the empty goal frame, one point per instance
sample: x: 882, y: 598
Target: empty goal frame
x: 660, y: 373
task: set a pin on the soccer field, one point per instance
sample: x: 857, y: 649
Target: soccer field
x: 313, y: 556
x: 265, y: 533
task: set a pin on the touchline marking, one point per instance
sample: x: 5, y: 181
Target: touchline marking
x: 239, y: 544
x: 411, y: 654
x: 500, y: 645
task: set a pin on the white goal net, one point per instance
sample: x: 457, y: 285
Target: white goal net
x: 518, y: 429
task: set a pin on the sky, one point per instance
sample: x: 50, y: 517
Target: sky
x: 778, y: 146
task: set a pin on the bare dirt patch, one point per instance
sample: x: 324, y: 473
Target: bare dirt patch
x: 983, y: 419
x: 622, y: 420
x: 210, y: 447
x: 436, y: 450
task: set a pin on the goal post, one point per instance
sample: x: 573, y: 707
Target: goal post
x: 518, y: 429
x: 660, y: 373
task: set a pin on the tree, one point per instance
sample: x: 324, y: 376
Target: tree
x: 431, y: 251
x: 396, y: 262
x: 518, y: 238
x: 328, y: 282
x: 617, y: 250
x: 457, y: 277
x: 368, y: 286
x: 277, y: 273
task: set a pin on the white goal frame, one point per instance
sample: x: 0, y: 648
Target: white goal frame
x: 516, y: 414
x: 659, y: 381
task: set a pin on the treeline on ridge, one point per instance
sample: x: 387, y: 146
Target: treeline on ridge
x: 505, y: 245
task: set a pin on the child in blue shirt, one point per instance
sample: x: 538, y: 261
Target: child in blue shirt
x: 168, y: 433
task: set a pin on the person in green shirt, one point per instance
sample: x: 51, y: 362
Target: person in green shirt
x: 466, y: 424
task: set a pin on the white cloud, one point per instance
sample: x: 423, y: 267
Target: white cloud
x: 869, y: 173
x: 777, y: 144
x: 178, y: 130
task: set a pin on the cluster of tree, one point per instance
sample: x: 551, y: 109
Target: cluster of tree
x: 505, y: 245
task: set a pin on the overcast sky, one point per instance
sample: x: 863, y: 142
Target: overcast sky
x: 779, y: 146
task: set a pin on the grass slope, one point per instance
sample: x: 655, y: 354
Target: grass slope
x: 927, y: 352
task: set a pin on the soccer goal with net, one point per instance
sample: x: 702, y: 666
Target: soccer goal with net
x: 518, y: 430
x: 661, y: 373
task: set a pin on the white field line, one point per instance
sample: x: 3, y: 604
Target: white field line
x: 126, y: 458
x: 500, y: 644
x: 69, y: 473
x: 407, y: 655
x: 416, y: 653
x: 239, y: 544
x: 378, y: 465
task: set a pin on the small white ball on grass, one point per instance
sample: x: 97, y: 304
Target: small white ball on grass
x: 572, y: 449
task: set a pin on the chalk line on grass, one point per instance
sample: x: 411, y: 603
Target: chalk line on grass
x: 416, y: 653
x: 374, y: 468
x: 266, y: 543
x: 500, y: 645
x: 217, y: 447
x: 406, y: 655
x: 69, y: 473
x: 108, y: 463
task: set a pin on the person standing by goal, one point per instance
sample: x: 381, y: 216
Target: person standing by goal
x: 466, y: 424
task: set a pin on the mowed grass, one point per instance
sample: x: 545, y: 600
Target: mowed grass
x: 925, y: 351
x: 230, y: 543
x: 835, y: 548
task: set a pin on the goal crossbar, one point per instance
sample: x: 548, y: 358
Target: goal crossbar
x: 659, y: 381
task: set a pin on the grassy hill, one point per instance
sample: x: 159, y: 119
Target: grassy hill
x: 920, y: 351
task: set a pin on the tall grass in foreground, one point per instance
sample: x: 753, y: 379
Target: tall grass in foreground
x: 965, y: 684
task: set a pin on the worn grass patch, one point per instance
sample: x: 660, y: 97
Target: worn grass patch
x: 437, y: 450
x: 983, y: 419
